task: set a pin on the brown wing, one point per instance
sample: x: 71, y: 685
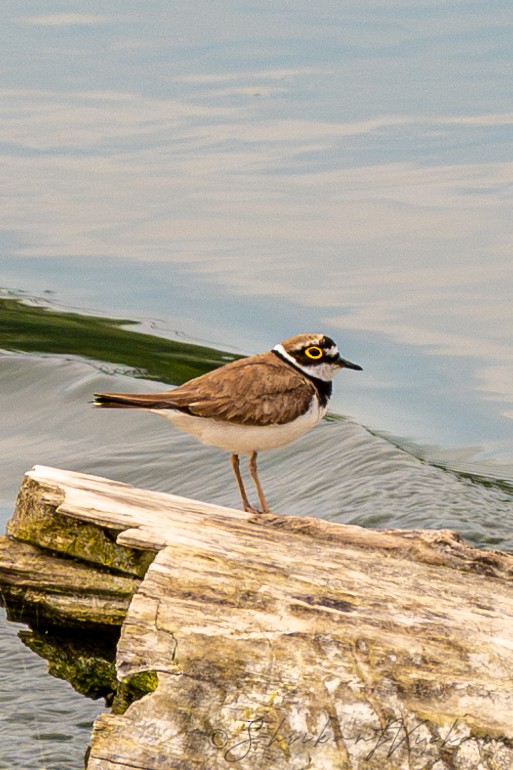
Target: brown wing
x: 260, y: 390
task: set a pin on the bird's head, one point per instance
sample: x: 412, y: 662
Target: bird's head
x: 315, y: 354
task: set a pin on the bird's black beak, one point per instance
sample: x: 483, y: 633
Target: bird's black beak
x: 344, y: 364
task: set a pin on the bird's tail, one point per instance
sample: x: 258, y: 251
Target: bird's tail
x: 130, y: 400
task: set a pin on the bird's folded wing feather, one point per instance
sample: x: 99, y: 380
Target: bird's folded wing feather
x: 260, y: 390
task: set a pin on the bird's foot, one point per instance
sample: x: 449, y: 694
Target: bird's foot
x: 249, y: 509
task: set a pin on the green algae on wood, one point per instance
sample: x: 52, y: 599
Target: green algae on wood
x: 37, y: 521
x: 85, y: 659
x: 38, y: 586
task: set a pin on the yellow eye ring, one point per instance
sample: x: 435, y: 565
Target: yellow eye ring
x: 314, y: 352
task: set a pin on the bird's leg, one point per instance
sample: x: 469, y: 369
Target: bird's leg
x: 256, y: 481
x: 245, y: 502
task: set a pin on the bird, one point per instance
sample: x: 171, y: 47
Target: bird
x: 252, y: 404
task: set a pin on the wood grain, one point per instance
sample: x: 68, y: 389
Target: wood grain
x: 280, y: 642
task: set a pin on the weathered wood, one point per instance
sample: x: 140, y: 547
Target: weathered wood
x: 276, y: 642
x: 61, y: 591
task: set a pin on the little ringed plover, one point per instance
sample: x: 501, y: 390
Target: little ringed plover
x: 252, y: 404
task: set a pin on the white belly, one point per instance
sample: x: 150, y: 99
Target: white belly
x: 244, y: 439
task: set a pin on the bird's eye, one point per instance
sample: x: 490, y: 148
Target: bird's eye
x: 314, y: 352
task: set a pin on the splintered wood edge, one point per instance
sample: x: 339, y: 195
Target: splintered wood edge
x: 149, y: 519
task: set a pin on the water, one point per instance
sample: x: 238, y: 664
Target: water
x: 43, y: 722
x: 232, y: 175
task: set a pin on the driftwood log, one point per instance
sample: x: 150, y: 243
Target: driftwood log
x: 271, y: 642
